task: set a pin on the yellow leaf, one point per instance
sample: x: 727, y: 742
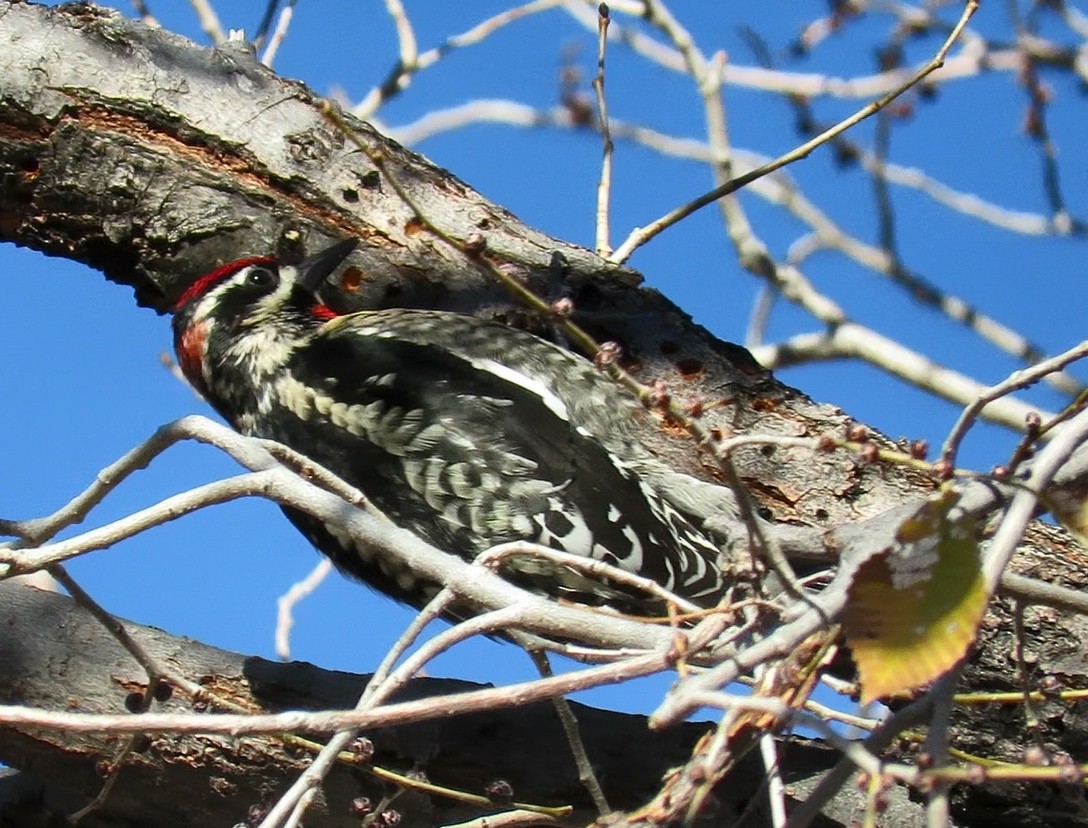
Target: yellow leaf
x: 912, y: 611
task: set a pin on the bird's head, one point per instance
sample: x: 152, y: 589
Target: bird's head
x: 255, y: 305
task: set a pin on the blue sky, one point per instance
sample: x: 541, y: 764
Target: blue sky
x: 84, y: 382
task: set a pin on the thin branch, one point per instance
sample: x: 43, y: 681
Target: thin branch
x: 400, y: 76
x: 1014, y: 382
x: 279, y: 34
x: 971, y: 204
x: 972, y: 62
x: 506, y: 819
x: 146, y: 17
x: 574, y: 737
x: 776, y: 788
x: 604, y: 186
x: 286, y: 603
x: 252, y: 484
x: 406, y: 36
x: 642, y: 235
x: 849, y: 339
x: 311, y: 778
x: 936, y: 745
x: 209, y: 21
x: 599, y: 570
x: 510, y: 696
x: 266, y: 23
x: 1026, y: 499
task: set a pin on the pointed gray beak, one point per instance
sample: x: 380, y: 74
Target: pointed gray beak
x: 314, y: 270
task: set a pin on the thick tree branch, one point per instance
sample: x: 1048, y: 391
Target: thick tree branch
x: 64, y: 659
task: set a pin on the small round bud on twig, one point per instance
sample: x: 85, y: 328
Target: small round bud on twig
x: 362, y: 749
x: 976, y: 774
x: 475, y: 243
x: 659, y: 394
x: 1050, y: 687
x: 857, y: 433
x: 1069, y: 771
x: 943, y: 470
x: 500, y: 792
x: 1034, y: 756
x: 607, y: 353
x: 919, y: 449
x: 561, y: 308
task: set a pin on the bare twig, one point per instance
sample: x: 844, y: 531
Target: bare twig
x: 308, y: 780
x: 498, y: 554
x: 1026, y: 499
x: 507, y: 819
x: 282, y: 24
x: 604, y: 186
x: 285, y: 605
x: 574, y: 737
x: 146, y: 17
x: 643, y: 234
x: 850, y: 339
x: 266, y: 23
x: 776, y: 788
x: 937, y: 805
x: 209, y: 21
x: 400, y: 76
x: 1015, y: 381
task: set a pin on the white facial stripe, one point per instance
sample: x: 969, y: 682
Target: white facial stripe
x: 264, y: 306
x: 260, y: 308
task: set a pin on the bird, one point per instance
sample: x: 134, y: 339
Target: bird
x: 463, y: 430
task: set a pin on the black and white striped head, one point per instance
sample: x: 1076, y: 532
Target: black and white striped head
x: 252, y: 311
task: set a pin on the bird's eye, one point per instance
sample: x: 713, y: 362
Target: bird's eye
x: 260, y: 277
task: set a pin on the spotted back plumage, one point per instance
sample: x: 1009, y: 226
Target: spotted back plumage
x: 465, y: 431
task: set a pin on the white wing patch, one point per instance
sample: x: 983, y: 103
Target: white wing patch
x: 531, y: 384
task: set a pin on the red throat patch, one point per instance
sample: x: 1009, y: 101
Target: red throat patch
x: 191, y: 354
